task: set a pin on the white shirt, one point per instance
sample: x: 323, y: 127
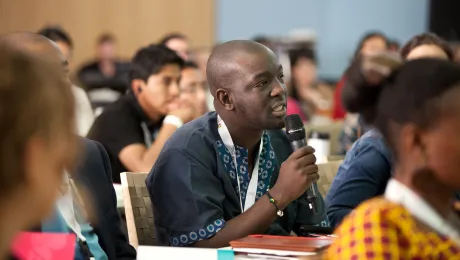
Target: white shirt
x: 398, y: 193
x: 83, y: 111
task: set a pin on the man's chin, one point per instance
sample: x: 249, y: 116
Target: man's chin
x: 275, y: 124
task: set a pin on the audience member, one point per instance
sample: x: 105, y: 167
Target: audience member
x: 36, y: 135
x: 134, y: 129
x: 83, y: 111
x: 178, y: 43
x: 368, y: 165
x: 307, y: 98
x: 417, y: 112
x: 219, y: 198
x: 193, y: 88
x: 101, y: 237
x: 106, y: 71
x: 393, y: 45
x: 372, y: 42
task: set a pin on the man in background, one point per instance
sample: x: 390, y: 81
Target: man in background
x: 178, y: 43
x: 83, y: 109
x: 135, y: 128
x: 106, y: 71
x: 193, y: 87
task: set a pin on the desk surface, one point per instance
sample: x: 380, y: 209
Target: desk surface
x: 173, y: 253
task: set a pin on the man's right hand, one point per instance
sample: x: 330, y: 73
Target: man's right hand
x: 297, y: 173
x: 185, y: 111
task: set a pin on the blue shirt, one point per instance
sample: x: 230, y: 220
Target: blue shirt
x: 194, y: 188
x: 363, y: 174
x: 57, y: 224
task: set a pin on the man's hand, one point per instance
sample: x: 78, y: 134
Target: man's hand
x: 376, y: 67
x: 184, y: 110
x: 297, y: 173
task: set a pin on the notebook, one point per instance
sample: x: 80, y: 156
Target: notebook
x: 288, y: 243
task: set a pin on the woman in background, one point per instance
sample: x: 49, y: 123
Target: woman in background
x: 306, y: 97
x: 37, y: 138
x: 370, y: 43
x: 418, y: 113
x: 367, y: 167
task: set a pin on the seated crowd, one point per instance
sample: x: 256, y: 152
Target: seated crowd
x: 217, y: 176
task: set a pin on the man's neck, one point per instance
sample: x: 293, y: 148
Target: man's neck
x: 242, y: 136
x: 152, y: 115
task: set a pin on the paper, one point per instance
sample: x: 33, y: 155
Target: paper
x: 44, y: 246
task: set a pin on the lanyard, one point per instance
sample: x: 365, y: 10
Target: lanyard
x: 252, y: 188
x: 399, y: 193
x: 65, y: 207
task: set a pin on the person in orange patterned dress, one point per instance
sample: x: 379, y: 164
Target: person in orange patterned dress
x: 417, y: 110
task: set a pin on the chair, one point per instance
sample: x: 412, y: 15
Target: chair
x: 327, y: 172
x: 138, y: 209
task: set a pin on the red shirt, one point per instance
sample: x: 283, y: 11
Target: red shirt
x: 338, y: 111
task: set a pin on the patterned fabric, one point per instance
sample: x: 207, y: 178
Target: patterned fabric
x: 195, y: 236
x: 380, y: 229
x: 267, y: 162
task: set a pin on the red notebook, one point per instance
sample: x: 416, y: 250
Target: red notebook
x: 288, y: 243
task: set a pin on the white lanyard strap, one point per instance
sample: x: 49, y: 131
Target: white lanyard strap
x: 252, y: 188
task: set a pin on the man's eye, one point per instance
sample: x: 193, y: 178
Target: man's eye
x: 262, y: 83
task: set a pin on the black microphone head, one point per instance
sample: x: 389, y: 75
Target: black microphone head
x: 294, y: 128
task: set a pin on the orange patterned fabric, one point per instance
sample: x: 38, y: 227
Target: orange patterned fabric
x: 380, y: 229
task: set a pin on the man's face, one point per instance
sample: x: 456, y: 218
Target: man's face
x: 193, y: 88
x: 259, y: 92
x: 180, y: 46
x: 65, y: 50
x: 161, y: 90
x: 106, y: 50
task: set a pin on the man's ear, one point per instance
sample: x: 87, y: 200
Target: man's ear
x: 225, y: 99
x: 137, y: 85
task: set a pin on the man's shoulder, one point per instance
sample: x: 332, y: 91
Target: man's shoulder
x: 116, y: 117
x: 194, y: 135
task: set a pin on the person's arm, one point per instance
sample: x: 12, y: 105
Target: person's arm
x: 363, y: 175
x: 124, y: 251
x: 137, y: 157
x: 179, y: 182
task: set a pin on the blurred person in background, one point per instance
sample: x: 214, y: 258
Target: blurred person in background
x: 106, y: 72
x: 83, y: 110
x: 178, y: 43
x: 416, y: 109
x: 393, y: 45
x: 370, y: 43
x: 36, y: 136
x: 193, y: 88
x: 135, y: 128
x: 87, y: 205
x: 367, y: 167
x: 353, y: 127
x: 306, y: 97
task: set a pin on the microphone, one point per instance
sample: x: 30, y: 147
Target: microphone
x: 296, y: 135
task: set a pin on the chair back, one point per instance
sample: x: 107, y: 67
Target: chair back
x: 327, y: 172
x: 138, y: 209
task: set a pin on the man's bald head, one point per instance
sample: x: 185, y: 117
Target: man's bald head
x: 34, y: 44
x: 227, y: 59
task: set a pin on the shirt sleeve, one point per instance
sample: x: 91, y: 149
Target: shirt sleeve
x: 116, y: 132
x: 363, y: 175
x: 187, y: 199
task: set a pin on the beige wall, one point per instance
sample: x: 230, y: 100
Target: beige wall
x: 133, y: 22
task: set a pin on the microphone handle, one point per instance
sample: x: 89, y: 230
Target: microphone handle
x: 311, y: 191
